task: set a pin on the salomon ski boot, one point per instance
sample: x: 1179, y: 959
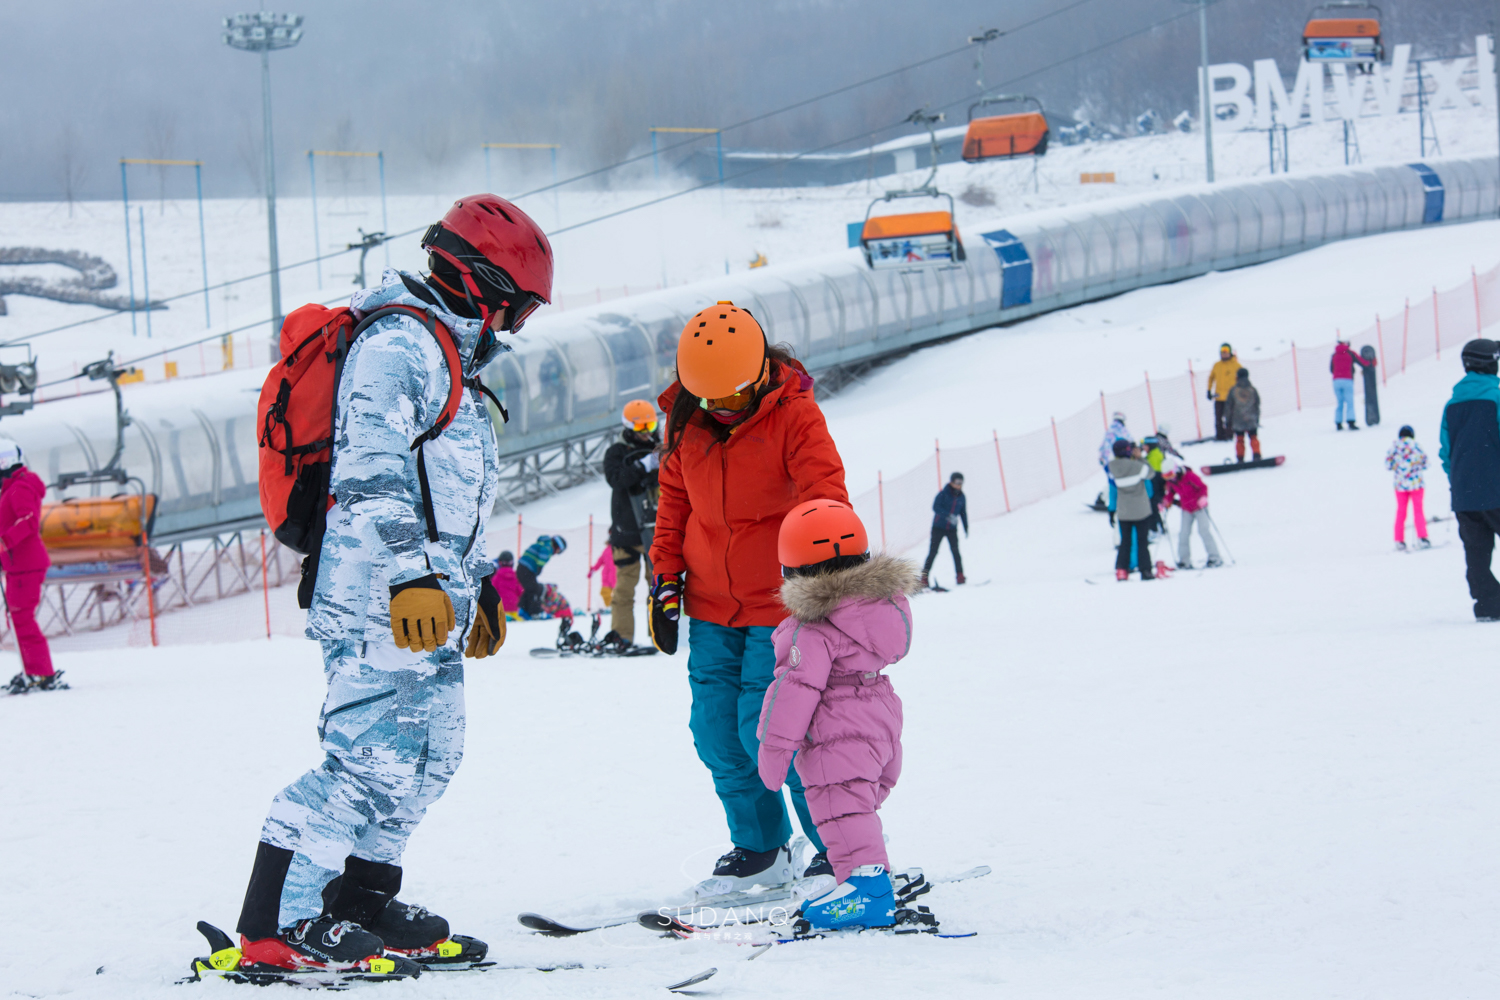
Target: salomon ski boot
x: 366, y: 894
x: 324, y: 944
x: 865, y: 900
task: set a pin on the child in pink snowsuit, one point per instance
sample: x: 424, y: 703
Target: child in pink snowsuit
x: 507, y: 585
x: 23, y: 557
x: 605, y: 567
x: 831, y: 704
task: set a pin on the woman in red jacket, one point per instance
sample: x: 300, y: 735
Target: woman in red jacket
x: 745, y: 443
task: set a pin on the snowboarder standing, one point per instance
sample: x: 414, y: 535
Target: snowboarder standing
x: 832, y: 706
x: 1408, y: 462
x: 1242, y: 411
x: 532, y: 562
x: 949, y: 509
x: 1341, y: 365
x: 745, y: 443
x: 24, y: 559
x: 1182, y: 485
x: 631, y: 469
x: 401, y: 578
x: 1130, y: 506
x: 1470, y: 455
x: 1221, y: 378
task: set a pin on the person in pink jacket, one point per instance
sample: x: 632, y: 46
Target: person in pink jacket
x: 831, y: 705
x: 24, y: 560
x: 605, y: 567
x: 1191, y: 494
x: 507, y: 585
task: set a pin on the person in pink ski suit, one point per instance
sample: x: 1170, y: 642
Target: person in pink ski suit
x: 23, y: 557
x: 832, y: 706
x: 507, y: 585
x: 605, y: 567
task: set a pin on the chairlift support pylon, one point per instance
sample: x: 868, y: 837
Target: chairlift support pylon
x: 1350, y: 37
x: 913, y: 240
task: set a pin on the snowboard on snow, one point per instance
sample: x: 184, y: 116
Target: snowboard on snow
x: 1229, y: 465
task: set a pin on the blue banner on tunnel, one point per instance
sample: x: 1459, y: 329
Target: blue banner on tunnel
x: 1432, y: 186
x: 1015, y: 267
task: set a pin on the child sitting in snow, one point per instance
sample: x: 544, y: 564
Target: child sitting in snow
x: 1407, y: 460
x: 832, y: 706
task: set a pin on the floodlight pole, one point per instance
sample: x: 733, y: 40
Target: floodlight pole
x: 1208, y: 96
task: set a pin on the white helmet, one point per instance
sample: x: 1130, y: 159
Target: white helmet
x: 10, y: 453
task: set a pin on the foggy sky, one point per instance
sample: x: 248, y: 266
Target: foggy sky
x: 89, y: 81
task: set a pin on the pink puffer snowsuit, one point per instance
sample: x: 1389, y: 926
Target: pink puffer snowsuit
x: 508, y: 587
x: 832, y: 706
x: 24, y: 559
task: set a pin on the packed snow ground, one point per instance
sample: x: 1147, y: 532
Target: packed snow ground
x: 1275, y: 779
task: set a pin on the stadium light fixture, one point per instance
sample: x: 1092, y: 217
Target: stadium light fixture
x: 1205, y: 86
x: 264, y: 32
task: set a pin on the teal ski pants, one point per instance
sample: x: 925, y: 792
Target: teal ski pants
x: 730, y: 669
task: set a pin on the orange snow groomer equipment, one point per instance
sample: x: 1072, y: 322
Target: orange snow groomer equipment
x: 1020, y: 133
x: 1350, y: 37
x: 97, y: 529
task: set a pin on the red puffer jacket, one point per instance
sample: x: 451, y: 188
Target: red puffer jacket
x: 1343, y: 361
x: 21, y: 548
x: 722, y: 503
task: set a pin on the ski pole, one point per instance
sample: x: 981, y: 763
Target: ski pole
x: 1215, y: 525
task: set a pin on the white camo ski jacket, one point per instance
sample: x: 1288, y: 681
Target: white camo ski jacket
x: 394, y: 386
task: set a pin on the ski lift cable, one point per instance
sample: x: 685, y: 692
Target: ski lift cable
x: 689, y: 190
x: 591, y: 173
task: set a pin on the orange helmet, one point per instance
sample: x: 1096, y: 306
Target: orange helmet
x: 639, y: 415
x: 819, y: 530
x: 722, y: 351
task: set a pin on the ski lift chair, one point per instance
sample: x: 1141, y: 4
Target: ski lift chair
x: 911, y: 240
x: 1351, y: 37
x: 1020, y: 133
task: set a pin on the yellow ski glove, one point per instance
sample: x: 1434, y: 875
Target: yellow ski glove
x: 421, y: 614
x: 488, y: 633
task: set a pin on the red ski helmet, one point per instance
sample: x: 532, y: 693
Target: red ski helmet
x: 502, y: 256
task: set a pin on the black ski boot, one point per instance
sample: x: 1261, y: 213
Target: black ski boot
x: 614, y: 643
x: 324, y: 944
x: 1353, y: 426
x: 820, y: 865
x: 24, y: 683
x: 741, y: 870
x: 366, y: 894
x: 1339, y: 426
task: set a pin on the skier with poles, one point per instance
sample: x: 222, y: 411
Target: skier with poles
x: 745, y: 443
x: 1183, y: 486
x: 24, y: 559
x: 631, y: 470
x: 398, y: 580
x: 1470, y: 455
x: 949, y: 508
x: 832, y: 707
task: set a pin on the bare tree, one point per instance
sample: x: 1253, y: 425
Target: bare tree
x: 161, y: 140
x: 72, y: 168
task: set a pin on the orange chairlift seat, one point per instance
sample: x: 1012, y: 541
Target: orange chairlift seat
x: 1351, y: 39
x: 1021, y: 133
x: 97, y: 529
x: 911, y: 239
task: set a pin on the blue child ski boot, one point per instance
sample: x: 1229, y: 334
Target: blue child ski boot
x: 865, y: 900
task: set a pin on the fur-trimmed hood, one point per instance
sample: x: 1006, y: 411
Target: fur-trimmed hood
x: 814, y: 598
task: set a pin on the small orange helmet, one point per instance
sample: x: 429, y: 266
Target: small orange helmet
x: 722, y: 351
x: 639, y: 415
x: 819, y: 530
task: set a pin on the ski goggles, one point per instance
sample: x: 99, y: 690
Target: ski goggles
x: 735, y: 402
x: 642, y: 426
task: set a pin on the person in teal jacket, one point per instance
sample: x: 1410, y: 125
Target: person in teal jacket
x: 530, y: 566
x: 1470, y: 455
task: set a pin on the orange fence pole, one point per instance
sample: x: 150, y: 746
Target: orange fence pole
x: 1437, y: 334
x: 588, y: 578
x: 1103, y: 411
x: 1151, y: 402
x: 1004, y: 490
x: 1060, y: 474
x: 518, y: 536
x: 1296, y: 378
x: 265, y: 581
x: 1380, y: 340
x: 880, y: 489
x: 1193, y: 391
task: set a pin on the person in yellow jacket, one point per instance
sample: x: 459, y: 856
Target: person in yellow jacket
x: 1220, y: 381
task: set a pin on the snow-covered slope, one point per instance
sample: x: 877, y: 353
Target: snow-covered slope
x: 1276, y: 779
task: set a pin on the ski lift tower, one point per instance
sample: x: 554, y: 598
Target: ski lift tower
x: 265, y: 32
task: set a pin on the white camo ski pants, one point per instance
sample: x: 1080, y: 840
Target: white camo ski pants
x: 392, y: 729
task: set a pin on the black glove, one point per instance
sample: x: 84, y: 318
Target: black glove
x: 1111, y: 519
x: 1210, y: 394
x: 488, y: 633
x: 666, y: 609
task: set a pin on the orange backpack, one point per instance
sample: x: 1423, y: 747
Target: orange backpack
x: 297, y: 417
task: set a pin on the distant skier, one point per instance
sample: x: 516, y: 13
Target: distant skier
x: 608, y: 578
x: 949, y: 509
x: 1408, y: 461
x: 1470, y: 455
x: 1341, y: 365
x: 1242, y: 412
x: 1130, y: 506
x: 1116, y: 431
x: 1157, y: 448
x: 533, y: 561
x: 1221, y: 378
x: 1184, y: 487
x: 745, y: 442
x: 507, y: 585
x: 832, y: 707
x: 24, y: 559
x: 631, y: 470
